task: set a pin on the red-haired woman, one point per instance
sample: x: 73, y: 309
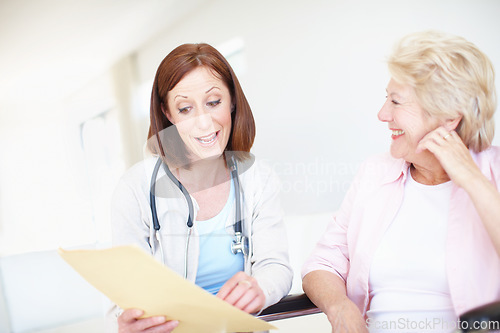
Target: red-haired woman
x: 202, y: 205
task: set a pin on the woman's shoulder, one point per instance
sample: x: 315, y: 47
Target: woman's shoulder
x: 491, y: 154
x: 488, y: 160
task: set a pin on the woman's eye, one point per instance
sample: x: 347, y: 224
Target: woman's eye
x: 214, y: 103
x: 184, y: 109
x: 393, y: 101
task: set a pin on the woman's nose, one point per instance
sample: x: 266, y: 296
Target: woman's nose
x: 204, y: 120
x: 385, y: 113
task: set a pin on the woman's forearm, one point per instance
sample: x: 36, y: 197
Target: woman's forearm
x: 328, y: 292
x: 324, y: 289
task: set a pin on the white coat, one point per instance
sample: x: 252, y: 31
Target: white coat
x: 267, y: 261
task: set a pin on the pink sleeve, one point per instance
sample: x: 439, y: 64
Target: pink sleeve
x: 330, y: 253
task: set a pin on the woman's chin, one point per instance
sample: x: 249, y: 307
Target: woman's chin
x: 397, y: 154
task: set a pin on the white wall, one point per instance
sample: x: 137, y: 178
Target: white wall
x: 315, y: 77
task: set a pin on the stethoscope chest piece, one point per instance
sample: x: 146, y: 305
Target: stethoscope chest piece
x: 240, y: 244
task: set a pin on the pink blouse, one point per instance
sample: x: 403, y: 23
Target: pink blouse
x: 348, y: 245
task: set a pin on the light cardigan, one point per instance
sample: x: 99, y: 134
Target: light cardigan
x: 370, y: 205
x: 268, y: 260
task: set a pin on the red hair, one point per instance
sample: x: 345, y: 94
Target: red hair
x: 172, y: 69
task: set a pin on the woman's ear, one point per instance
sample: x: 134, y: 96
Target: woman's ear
x: 166, y: 113
x: 451, y: 124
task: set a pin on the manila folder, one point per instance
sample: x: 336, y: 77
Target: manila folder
x: 131, y: 278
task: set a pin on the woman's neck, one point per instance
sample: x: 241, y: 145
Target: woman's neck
x: 203, y: 174
x: 429, y: 172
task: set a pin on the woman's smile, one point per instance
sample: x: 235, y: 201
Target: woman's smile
x: 208, y: 140
x: 396, y: 133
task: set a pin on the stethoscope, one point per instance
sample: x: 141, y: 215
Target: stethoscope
x: 240, y: 242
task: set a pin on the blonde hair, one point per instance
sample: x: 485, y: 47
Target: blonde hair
x: 450, y: 77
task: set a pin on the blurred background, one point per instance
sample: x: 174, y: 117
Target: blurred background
x: 75, y: 81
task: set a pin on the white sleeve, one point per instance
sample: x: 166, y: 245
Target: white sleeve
x: 270, y: 262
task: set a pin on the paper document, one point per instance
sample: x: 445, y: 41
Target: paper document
x: 131, y: 278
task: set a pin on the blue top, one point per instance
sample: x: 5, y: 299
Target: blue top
x: 217, y: 263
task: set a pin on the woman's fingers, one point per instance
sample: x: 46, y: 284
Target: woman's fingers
x: 236, y: 285
x: 130, y: 315
x: 148, y: 323
x: 246, y: 295
x: 254, y: 306
x: 130, y: 321
x: 433, y: 139
x: 230, y: 284
x: 451, y: 153
x: 167, y: 327
x: 243, y: 292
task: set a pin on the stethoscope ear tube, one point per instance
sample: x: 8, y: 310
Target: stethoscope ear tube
x: 152, y: 198
x: 236, y: 179
x: 186, y: 195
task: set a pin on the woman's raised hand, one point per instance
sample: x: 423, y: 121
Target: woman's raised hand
x: 453, y: 155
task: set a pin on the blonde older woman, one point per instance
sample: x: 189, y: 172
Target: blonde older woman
x: 416, y: 241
